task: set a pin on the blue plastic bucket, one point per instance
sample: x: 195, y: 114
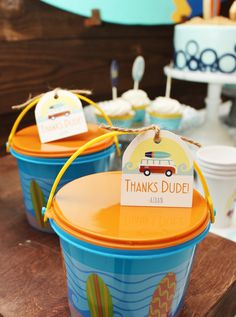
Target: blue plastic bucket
x: 124, y: 260
x: 37, y: 175
x: 131, y: 276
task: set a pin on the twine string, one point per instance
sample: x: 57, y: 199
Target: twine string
x: 157, y: 130
x: 30, y: 99
x: 157, y: 137
x: 190, y: 141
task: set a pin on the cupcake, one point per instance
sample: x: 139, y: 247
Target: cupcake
x: 166, y: 113
x: 139, y: 101
x: 118, y: 110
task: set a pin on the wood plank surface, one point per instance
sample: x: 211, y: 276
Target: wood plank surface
x: 32, y: 280
x: 42, y: 47
x: 38, y: 66
x: 36, y: 20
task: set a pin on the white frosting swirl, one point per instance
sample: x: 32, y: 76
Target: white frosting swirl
x: 216, y: 20
x: 136, y: 97
x: 165, y: 105
x: 116, y: 107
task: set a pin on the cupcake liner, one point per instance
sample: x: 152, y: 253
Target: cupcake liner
x: 165, y: 123
x: 123, y: 122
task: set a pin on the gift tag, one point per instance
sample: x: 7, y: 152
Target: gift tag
x: 157, y: 174
x: 59, y: 115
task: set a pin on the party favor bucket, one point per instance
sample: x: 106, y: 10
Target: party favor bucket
x: 124, y: 260
x: 39, y: 164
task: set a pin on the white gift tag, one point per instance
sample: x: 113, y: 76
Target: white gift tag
x: 157, y: 174
x: 59, y: 115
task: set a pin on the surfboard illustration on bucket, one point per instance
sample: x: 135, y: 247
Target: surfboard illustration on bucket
x: 163, y: 296
x: 38, y: 201
x: 99, y: 297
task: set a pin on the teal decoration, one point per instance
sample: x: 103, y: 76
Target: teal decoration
x: 114, y: 73
x: 158, y: 154
x: 138, y: 69
x: 141, y: 12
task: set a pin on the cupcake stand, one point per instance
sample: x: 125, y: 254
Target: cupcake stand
x: 212, y: 131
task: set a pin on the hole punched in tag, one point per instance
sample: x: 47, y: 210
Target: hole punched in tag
x: 56, y: 96
x: 157, y: 136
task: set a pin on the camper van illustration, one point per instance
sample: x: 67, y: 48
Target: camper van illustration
x: 157, y: 162
x: 58, y: 110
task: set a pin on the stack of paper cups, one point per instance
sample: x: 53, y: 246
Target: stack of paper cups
x: 218, y: 165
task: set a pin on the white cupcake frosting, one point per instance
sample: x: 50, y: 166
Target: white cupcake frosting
x: 116, y: 107
x: 216, y: 20
x: 165, y: 105
x: 136, y: 97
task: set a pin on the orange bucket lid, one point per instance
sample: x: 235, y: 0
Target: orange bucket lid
x: 27, y: 142
x: 89, y: 209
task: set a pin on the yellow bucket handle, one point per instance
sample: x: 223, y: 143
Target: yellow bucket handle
x: 46, y: 210
x: 36, y: 100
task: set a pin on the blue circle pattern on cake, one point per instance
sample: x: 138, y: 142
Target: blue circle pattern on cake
x: 206, y: 60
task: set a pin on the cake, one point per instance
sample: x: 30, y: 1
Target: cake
x: 139, y: 100
x: 166, y: 113
x: 206, y: 45
x: 118, y: 110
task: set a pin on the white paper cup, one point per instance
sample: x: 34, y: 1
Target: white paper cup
x: 218, y: 165
x: 218, y: 155
x: 219, y: 172
x: 227, y: 168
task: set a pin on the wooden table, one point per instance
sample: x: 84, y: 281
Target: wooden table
x: 32, y: 281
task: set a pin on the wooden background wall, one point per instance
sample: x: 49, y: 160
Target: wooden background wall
x: 42, y: 47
